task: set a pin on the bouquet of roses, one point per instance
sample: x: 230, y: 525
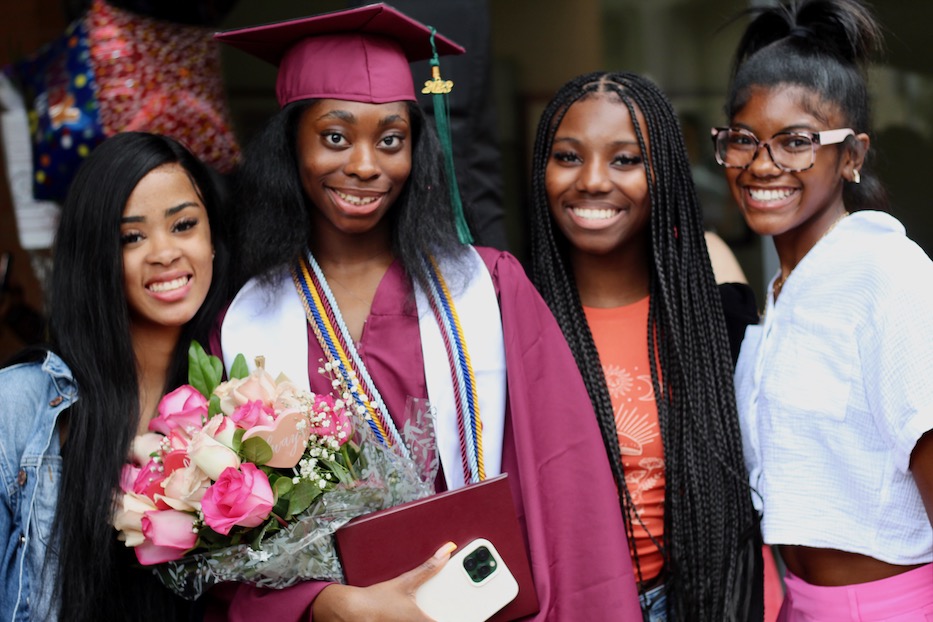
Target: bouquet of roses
x: 246, y: 480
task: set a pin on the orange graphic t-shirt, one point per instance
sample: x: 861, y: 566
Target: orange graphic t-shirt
x: 621, y: 337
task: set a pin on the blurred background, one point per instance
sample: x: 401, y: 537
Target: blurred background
x: 519, y: 53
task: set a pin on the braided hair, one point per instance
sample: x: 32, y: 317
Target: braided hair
x: 710, y: 538
x: 825, y: 47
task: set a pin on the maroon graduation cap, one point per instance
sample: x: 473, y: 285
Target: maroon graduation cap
x: 360, y: 54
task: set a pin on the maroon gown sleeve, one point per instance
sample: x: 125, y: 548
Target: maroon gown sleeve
x: 561, y: 481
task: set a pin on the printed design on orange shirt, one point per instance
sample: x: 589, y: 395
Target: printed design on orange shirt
x: 635, y: 427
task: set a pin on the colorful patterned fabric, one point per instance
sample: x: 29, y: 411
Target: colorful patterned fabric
x: 64, y: 118
x: 114, y: 71
x: 161, y: 77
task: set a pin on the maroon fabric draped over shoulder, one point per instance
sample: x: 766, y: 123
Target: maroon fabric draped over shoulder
x: 565, y: 497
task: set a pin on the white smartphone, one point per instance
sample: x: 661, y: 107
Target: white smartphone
x: 473, y: 585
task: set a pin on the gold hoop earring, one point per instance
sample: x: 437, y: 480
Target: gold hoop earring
x: 856, y: 178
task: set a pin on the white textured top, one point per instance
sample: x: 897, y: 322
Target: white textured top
x: 835, y: 388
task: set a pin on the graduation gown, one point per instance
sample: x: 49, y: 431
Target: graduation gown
x: 565, y: 497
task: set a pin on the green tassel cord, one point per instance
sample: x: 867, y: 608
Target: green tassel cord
x: 439, y: 89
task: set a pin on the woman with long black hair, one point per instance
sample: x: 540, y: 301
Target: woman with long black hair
x: 139, y: 262
x: 618, y: 253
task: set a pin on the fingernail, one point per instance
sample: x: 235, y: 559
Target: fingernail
x: 445, y: 551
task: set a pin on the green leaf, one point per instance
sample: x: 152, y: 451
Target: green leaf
x: 270, y: 526
x: 282, y: 487
x: 302, y: 497
x: 256, y: 450
x: 281, y: 507
x: 208, y: 538
x: 239, y: 369
x: 213, y: 406
x: 238, y: 439
x: 205, y: 371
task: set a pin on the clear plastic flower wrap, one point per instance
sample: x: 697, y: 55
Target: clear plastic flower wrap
x: 305, y: 548
x: 247, y: 480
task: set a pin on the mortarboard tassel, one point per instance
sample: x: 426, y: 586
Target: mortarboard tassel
x: 439, y: 89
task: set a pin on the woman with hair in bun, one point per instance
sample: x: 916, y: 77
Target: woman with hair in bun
x: 833, y: 386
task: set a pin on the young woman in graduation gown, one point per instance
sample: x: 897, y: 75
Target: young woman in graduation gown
x: 344, y: 213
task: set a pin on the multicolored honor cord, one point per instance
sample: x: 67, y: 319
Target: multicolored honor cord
x: 461, y: 371
x: 334, y: 338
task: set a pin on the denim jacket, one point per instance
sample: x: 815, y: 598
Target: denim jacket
x: 32, y: 396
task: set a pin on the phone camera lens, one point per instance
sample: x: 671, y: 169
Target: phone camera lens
x: 482, y: 554
x: 469, y: 563
x: 484, y: 571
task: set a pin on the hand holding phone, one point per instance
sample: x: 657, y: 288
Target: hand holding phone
x: 473, y: 585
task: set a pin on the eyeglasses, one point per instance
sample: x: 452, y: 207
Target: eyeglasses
x: 791, y: 152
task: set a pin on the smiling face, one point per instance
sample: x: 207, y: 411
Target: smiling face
x: 595, y: 178
x: 792, y: 206
x: 167, y: 250
x: 354, y: 159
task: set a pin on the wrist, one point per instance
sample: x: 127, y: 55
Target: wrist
x: 335, y: 603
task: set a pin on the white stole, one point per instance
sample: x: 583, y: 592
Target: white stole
x: 269, y: 320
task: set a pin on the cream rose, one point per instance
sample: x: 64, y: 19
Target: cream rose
x: 221, y: 429
x: 210, y: 455
x: 128, y: 516
x: 184, y: 488
x: 257, y: 386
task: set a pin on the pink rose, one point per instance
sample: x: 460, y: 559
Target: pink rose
x: 257, y: 386
x: 183, y: 409
x: 128, y: 516
x: 174, y: 460
x: 128, y: 476
x: 253, y: 413
x: 331, y: 419
x: 149, y: 479
x: 177, y: 440
x: 210, y: 455
x: 169, y: 535
x: 241, y: 497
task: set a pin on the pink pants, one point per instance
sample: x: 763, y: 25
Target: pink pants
x: 907, y: 597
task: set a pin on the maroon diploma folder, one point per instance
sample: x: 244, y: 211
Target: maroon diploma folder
x: 382, y: 545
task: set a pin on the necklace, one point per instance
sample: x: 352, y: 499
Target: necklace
x: 779, y: 282
x: 331, y: 279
